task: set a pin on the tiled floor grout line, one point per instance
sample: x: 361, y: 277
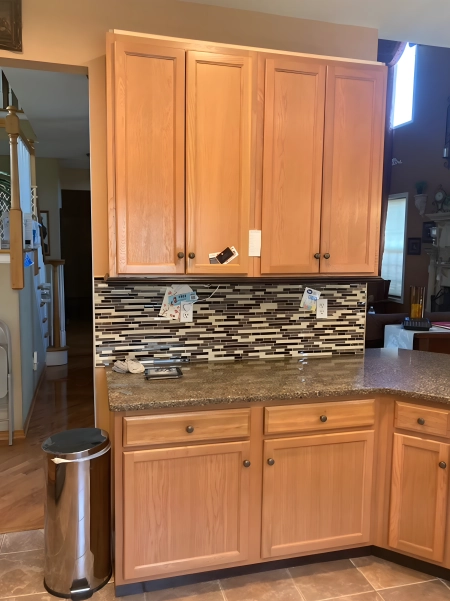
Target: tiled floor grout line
x: 387, y: 588
x: 222, y: 590
x: 3, y: 553
x: 444, y: 583
x: 295, y: 585
x: 2, y: 538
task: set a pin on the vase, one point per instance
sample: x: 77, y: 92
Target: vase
x: 421, y: 202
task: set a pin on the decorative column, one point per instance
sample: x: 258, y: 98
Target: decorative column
x: 15, y: 214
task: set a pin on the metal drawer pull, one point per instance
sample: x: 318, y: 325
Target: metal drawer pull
x: 421, y: 421
x: 323, y: 418
x: 247, y: 463
x: 442, y: 465
x: 189, y: 429
x: 271, y: 461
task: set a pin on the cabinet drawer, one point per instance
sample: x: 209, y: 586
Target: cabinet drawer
x: 186, y: 427
x: 319, y: 416
x: 422, y: 419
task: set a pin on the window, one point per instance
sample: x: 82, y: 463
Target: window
x: 393, y: 264
x: 403, y: 97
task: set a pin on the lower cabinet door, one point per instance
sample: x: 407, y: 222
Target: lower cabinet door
x: 419, y: 496
x: 316, y: 492
x: 185, y: 508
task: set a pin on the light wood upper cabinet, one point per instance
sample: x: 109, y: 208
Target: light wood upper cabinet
x: 147, y: 229
x: 292, y: 165
x: 419, y: 496
x: 352, y: 169
x: 218, y: 159
x: 185, y: 508
x: 317, y: 492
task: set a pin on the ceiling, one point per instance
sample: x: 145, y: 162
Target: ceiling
x: 421, y: 21
x: 57, y: 106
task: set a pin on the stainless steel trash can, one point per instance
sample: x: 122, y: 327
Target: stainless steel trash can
x: 78, y: 513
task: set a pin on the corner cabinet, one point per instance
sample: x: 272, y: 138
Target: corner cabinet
x: 207, y: 142
x: 419, y: 496
x: 185, y: 508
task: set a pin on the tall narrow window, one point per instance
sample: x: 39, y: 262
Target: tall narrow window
x: 403, y: 97
x: 393, y: 264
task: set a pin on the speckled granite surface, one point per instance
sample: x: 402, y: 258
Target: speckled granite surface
x: 411, y: 373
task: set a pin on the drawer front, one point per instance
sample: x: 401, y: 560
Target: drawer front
x: 422, y: 419
x: 186, y: 427
x: 319, y: 416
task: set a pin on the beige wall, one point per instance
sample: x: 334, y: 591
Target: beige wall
x: 75, y: 179
x: 73, y: 33
x: 9, y: 313
x: 419, y: 146
x: 49, y: 195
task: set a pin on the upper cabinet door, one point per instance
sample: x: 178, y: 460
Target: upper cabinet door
x: 218, y: 160
x: 292, y: 173
x: 353, y: 167
x: 149, y: 158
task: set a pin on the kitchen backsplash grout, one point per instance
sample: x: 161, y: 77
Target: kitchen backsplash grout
x: 240, y: 321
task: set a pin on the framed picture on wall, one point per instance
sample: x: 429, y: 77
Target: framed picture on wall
x: 11, y: 25
x: 45, y: 232
x: 414, y: 246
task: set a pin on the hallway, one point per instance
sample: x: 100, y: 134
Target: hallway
x: 65, y: 400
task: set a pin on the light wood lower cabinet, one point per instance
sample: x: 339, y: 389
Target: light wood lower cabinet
x: 316, y: 492
x: 185, y: 508
x: 419, y: 496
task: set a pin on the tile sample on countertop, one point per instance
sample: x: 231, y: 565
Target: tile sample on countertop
x: 233, y: 321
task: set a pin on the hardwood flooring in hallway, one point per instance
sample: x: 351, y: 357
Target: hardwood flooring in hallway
x: 65, y: 400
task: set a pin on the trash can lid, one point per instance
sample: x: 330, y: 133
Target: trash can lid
x: 77, y: 443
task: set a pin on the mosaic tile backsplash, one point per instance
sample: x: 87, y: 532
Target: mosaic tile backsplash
x: 239, y: 321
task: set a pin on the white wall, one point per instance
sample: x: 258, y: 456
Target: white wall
x: 75, y: 179
x: 9, y: 313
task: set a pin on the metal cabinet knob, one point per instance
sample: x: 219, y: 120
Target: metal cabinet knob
x: 191, y: 255
x: 323, y: 418
x: 180, y: 255
x: 247, y: 463
x: 442, y: 465
x: 326, y: 255
x: 271, y: 461
x: 421, y: 421
x: 189, y: 429
x: 317, y: 256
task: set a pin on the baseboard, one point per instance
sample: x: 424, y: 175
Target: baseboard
x: 17, y: 435
x: 26, y: 424
x: 419, y: 565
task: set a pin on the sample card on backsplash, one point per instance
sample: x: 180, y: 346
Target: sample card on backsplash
x: 238, y: 321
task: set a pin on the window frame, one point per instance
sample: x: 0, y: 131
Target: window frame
x: 399, y: 299
x: 394, y: 84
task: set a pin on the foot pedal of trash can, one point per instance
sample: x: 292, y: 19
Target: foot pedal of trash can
x: 80, y: 590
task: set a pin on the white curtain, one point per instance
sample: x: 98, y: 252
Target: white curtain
x: 24, y: 177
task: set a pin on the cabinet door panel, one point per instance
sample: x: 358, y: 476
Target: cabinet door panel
x: 316, y: 496
x: 419, y: 497
x: 149, y: 158
x: 352, y: 169
x: 185, y: 508
x: 293, y: 146
x: 218, y: 159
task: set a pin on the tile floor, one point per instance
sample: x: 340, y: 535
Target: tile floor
x: 361, y: 579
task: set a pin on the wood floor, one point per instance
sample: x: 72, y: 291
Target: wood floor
x: 65, y: 400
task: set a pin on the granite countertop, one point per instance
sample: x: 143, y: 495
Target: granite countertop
x: 409, y: 373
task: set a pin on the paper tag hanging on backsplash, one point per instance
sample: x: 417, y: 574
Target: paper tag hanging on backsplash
x: 309, y: 299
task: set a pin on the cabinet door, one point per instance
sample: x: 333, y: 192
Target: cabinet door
x: 218, y: 159
x: 185, y: 508
x: 352, y: 169
x: 149, y: 158
x: 292, y: 174
x: 316, y: 494
x: 419, y: 496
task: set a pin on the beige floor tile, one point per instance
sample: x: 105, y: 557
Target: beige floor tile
x: 203, y: 591
x: 21, y: 574
x: 107, y: 594
x: 373, y: 596
x: 23, y: 541
x: 384, y: 574
x: 329, y: 579
x: 2, y: 538
x: 426, y: 591
x: 35, y: 597
x: 275, y: 585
